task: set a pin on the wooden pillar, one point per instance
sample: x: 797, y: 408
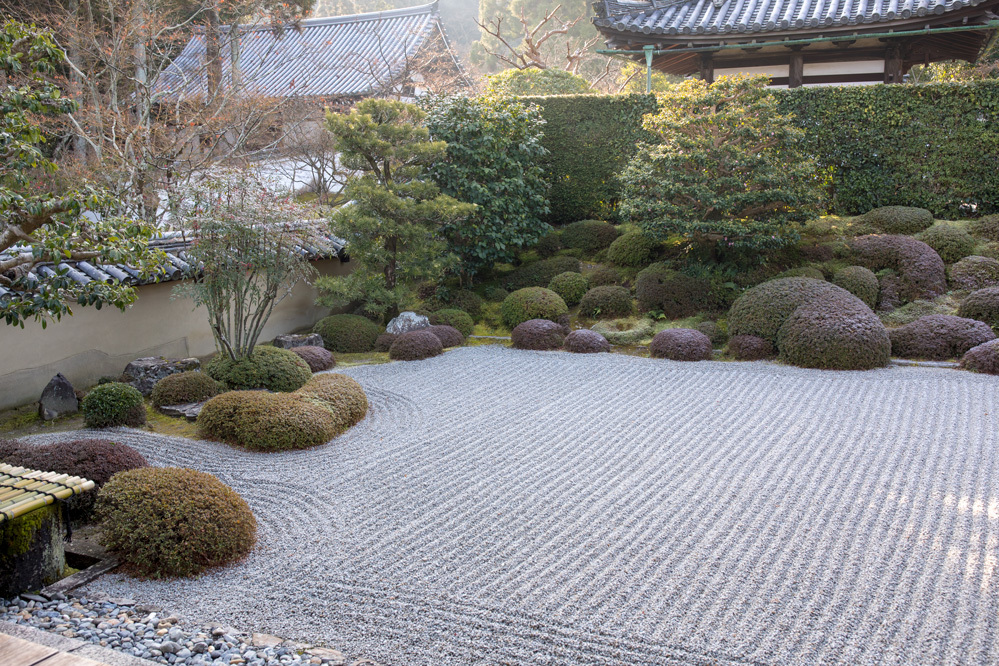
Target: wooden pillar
x: 707, y: 68
x: 796, y: 69
x: 893, y: 63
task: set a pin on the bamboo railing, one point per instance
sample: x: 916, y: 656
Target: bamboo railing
x: 24, y: 490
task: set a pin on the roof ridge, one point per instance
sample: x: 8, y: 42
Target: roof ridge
x: 430, y: 9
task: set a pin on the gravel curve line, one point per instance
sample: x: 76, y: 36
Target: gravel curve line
x: 509, y: 507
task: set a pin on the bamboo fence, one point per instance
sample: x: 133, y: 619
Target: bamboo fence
x: 24, y: 490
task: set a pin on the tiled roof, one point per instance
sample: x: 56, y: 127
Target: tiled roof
x: 694, y: 17
x: 340, y: 56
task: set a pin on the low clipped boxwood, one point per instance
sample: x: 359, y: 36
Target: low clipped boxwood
x: 540, y: 273
x: 183, y: 388
x: 114, y: 404
x: 94, y: 459
x: 983, y: 358
x: 972, y: 273
x: 951, y: 243
x: 319, y: 359
x: 834, y: 332
x: 532, y: 303
x: 538, y: 335
x: 603, y: 276
x: 266, y: 421
x: 416, y: 346
x: 750, y: 348
x: 459, y: 319
x: 606, y: 303
x: 347, y: 333
x: 986, y: 228
x: 448, y: 335
x: 939, y: 337
x: 167, y: 521
x: 676, y: 295
x: 905, y: 220
x: 585, y: 341
x: 680, y: 344
x: 982, y: 305
x: 634, y: 248
x: 588, y: 235
x: 268, y: 368
x: 341, y: 395
x: 859, y: 281
x: 570, y: 286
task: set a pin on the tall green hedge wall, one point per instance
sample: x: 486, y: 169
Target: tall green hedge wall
x: 933, y: 146
x: 589, y: 140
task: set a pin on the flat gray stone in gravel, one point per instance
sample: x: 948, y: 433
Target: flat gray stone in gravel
x: 502, y: 506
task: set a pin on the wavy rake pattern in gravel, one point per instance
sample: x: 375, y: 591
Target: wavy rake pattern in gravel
x: 501, y: 506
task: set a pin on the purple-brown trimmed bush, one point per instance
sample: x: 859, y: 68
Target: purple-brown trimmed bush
x: 676, y: 295
x: 184, y: 387
x: 982, y: 305
x: 983, y: 358
x: 920, y: 269
x: 951, y: 243
x: 585, y: 341
x: 318, y: 358
x: 834, y: 332
x: 448, y: 335
x: 680, y: 344
x: 538, y: 334
x: 899, y: 219
x: 570, y: 286
x: 974, y: 272
x: 750, y: 348
x: 860, y: 282
x: 416, y: 346
x: 610, y: 302
x: 939, y: 337
x: 384, y: 341
x: 588, y: 235
x: 459, y: 319
x: 532, y: 303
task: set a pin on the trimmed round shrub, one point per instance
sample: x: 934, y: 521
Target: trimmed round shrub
x: 416, y: 346
x: 750, y: 348
x: 384, y: 341
x: 951, y: 243
x: 270, y: 368
x: 266, y: 421
x: 910, y: 312
x: 606, y: 303
x: 762, y: 310
x: 540, y: 273
x: 660, y: 288
x: 341, y: 395
x: 899, y: 219
x: 549, y: 245
x: 94, y: 459
x: 448, y: 335
x: 458, y: 299
x: 982, y: 305
x: 632, y: 249
x: 986, y: 227
x: 921, y: 271
x: 834, y: 332
x: 603, y: 276
x: 348, y: 333
x: 585, y: 341
x: 317, y: 358
x: 859, y: 281
x: 167, y: 521
x: 714, y: 332
x: 802, y: 271
x: 184, y: 387
x: 938, y: 337
x: 588, y: 235
x: 532, y: 303
x: 538, y: 334
x: 570, y: 286
x: 680, y: 344
x: 983, y: 358
x: 974, y: 272
x: 458, y: 319
x: 114, y: 404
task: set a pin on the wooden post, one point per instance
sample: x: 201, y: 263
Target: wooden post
x: 796, y: 69
x: 707, y: 68
x: 893, y: 63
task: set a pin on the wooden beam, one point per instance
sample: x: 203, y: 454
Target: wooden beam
x: 707, y: 68
x: 796, y: 70
x: 894, y: 63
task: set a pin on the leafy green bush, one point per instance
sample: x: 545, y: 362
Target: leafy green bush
x: 951, y: 243
x: 266, y: 421
x: 762, y: 310
x: 540, y: 273
x: 681, y: 344
x: 860, y: 282
x: 585, y: 341
x: 347, y: 333
x: 588, y: 235
x: 549, y: 244
x: 341, y: 395
x: 532, y: 303
x: 184, y: 387
x: 834, y: 332
x: 983, y: 358
x: 457, y: 299
x: 269, y: 368
x: 661, y: 289
x: 974, y: 272
x: 982, y: 305
x: 495, y: 294
x: 904, y: 220
x: 111, y: 405
x: 319, y: 359
x: 921, y: 271
x: 634, y: 248
x: 986, y: 227
x: 459, y: 319
x: 533, y: 81
x: 538, y: 335
x: 166, y: 521
x: 416, y: 346
x: 938, y: 337
x: 603, y: 276
x: 606, y: 303
x: 570, y: 286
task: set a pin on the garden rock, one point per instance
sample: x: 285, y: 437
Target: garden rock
x: 406, y: 322
x: 143, y: 373
x: 303, y: 340
x: 58, y: 398
x: 188, y: 411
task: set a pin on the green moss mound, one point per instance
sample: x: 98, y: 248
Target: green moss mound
x: 632, y: 249
x: 859, y: 281
x: 184, y: 387
x: 625, y: 331
x: 268, y: 368
x: 982, y: 305
x: 167, y: 521
x: 458, y: 319
x: 348, y: 334
x: 588, y: 235
x: 112, y: 405
x: 570, y: 286
x: 416, y: 346
x: 266, y: 421
x: 659, y: 288
x: 898, y: 219
x: 951, y: 243
x: 986, y: 228
x: 717, y: 334
x: 341, y: 395
x: 762, y: 310
x: 834, y: 332
x: 532, y: 303
x: 540, y: 273
x: 972, y: 273
x: 606, y: 303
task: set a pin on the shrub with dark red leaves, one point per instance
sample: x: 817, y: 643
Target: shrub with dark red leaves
x: 416, y: 346
x: 676, y: 295
x: 750, y: 348
x: 318, y: 358
x: 920, y: 269
x: 384, y: 341
x: 974, y: 272
x: 983, y: 358
x: 939, y: 337
x: 585, y: 341
x: 681, y: 344
x: 448, y: 335
x: 982, y: 305
x: 762, y: 310
x: 538, y: 334
x: 834, y: 332
x: 8, y: 447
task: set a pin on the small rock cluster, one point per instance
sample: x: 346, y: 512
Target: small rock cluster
x: 142, y: 631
